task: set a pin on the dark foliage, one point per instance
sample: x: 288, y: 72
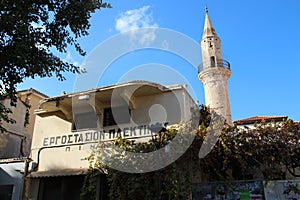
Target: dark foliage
x: 29, y: 31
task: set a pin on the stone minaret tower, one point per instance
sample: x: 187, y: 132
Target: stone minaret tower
x: 214, y: 72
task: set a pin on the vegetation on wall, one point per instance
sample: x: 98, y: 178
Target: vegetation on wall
x: 268, y: 150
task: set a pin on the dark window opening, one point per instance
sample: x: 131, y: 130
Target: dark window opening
x: 212, y: 61
x: 85, y: 120
x: 61, y: 188
x: 6, y: 192
x: 116, y: 115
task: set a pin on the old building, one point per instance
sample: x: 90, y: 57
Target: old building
x: 68, y: 126
x: 16, y: 140
x: 250, y: 121
x: 15, y: 143
x: 12, y: 178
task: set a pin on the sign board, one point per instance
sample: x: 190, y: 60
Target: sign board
x: 90, y: 136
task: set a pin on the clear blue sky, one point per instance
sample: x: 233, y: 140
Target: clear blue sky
x: 260, y: 39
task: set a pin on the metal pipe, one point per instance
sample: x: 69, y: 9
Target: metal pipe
x: 23, y: 189
x: 50, y: 147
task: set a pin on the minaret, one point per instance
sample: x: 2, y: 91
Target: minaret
x: 214, y: 72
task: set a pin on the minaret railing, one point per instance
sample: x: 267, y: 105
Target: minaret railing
x: 219, y: 63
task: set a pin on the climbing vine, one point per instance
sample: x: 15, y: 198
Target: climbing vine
x: 268, y: 150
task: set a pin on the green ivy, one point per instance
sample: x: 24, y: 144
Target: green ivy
x: 271, y: 149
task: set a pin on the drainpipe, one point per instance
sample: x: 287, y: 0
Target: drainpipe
x: 23, y: 190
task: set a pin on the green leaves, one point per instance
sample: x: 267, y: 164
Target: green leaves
x: 268, y: 151
x: 28, y: 32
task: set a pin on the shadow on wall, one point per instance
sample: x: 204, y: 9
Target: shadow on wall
x: 10, y: 146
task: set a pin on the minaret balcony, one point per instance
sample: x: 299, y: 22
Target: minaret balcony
x: 219, y: 63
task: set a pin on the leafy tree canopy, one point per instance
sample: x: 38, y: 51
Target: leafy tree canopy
x: 29, y: 29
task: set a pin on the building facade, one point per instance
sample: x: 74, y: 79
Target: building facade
x: 12, y: 178
x: 15, y: 143
x: 68, y: 126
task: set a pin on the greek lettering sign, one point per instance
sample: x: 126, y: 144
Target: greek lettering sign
x: 88, y: 136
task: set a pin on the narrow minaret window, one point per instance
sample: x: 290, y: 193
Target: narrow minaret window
x: 215, y: 72
x: 212, y: 61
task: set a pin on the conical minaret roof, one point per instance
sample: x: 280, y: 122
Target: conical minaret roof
x: 209, y: 30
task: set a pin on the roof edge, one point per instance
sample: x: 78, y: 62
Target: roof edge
x: 113, y: 86
x: 258, y: 119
